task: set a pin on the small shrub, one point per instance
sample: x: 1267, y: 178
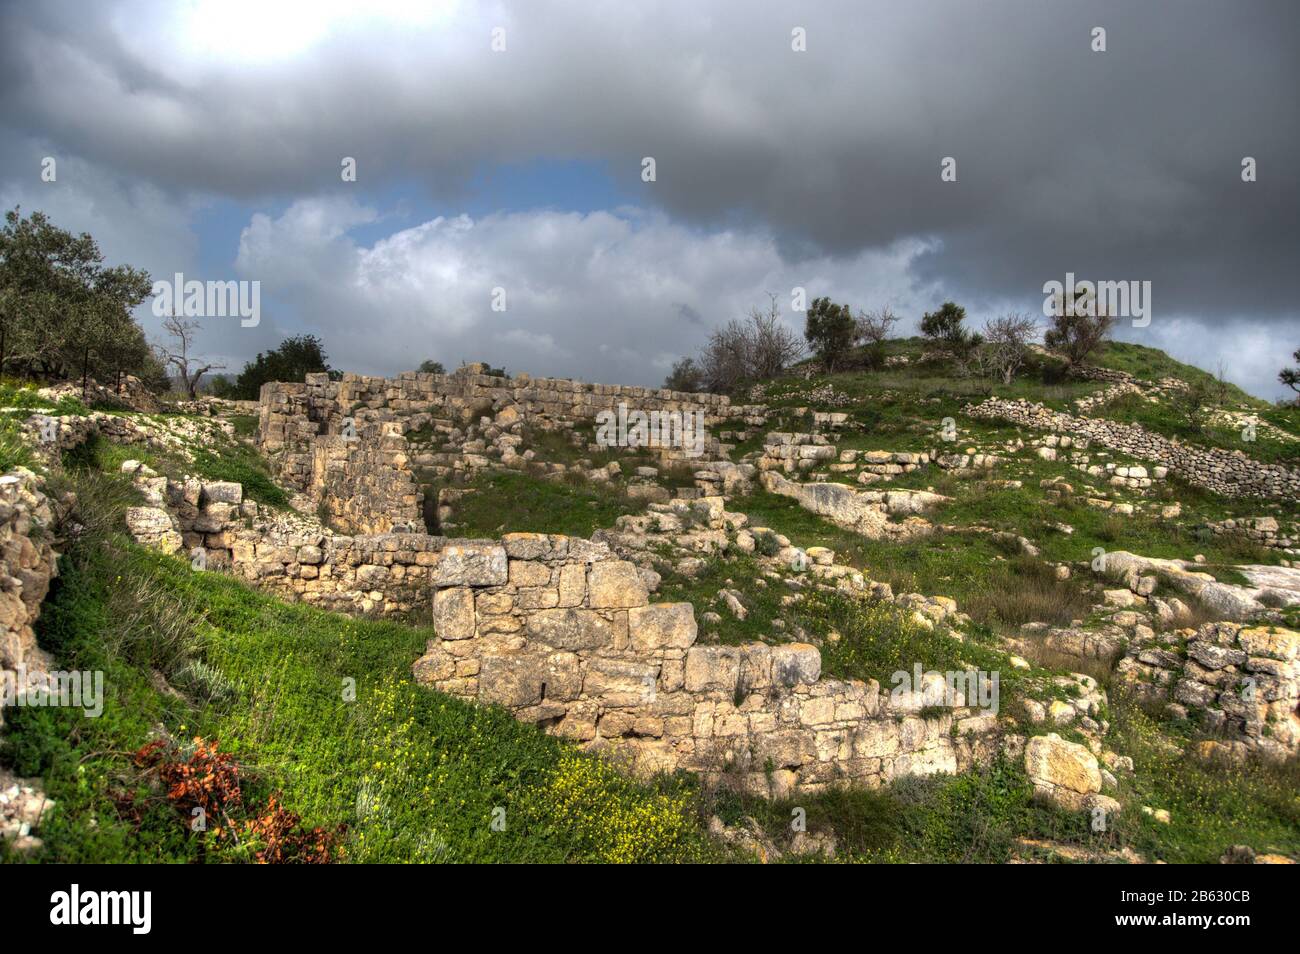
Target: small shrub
x: 766, y: 544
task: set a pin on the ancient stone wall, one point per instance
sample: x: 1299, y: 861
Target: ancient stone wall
x: 1231, y: 473
x: 793, y: 453
x: 27, y: 564
x: 563, y: 634
x: 1266, y: 531
x: 292, y: 413
x: 365, y: 483
x: 342, y: 443
x: 1240, y: 683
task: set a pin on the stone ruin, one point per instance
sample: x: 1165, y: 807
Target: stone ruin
x: 343, y: 443
x: 1230, y: 473
x: 564, y: 635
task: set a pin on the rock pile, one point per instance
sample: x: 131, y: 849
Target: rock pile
x: 1240, y: 683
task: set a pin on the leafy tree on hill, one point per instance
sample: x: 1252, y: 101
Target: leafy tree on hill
x: 63, y: 313
x: 1077, y: 336
x: 945, y: 330
x: 830, y: 332
x: 946, y: 326
x: 431, y: 367
x: 293, y: 359
x: 685, y: 376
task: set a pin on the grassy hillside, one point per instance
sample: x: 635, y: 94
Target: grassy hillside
x: 402, y: 773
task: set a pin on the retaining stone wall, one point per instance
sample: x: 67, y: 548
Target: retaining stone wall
x: 563, y: 634
x: 27, y: 564
x: 1231, y: 473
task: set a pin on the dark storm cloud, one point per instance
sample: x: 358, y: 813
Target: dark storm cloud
x: 1115, y: 165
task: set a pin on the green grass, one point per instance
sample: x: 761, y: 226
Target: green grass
x: 245, y: 424
x: 1152, y: 364
x: 981, y: 816
x: 975, y: 818
x: 221, y: 459
x: 412, y: 774
x: 1211, y: 806
x: 518, y: 502
x: 987, y: 581
x: 14, y: 450
x: 241, y: 464
x: 1162, y: 418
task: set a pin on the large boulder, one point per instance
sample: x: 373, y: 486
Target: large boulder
x: 1063, y: 772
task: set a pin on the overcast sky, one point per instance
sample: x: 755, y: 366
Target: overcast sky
x: 207, y: 138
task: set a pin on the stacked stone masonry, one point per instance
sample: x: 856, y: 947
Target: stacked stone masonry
x: 28, y: 563
x: 563, y: 634
x: 1240, y: 683
x: 1231, y: 473
x: 342, y: 441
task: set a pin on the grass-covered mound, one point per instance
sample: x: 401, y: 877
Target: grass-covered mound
x: 320, y: 711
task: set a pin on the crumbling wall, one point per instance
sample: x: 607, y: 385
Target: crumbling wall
x: 341, y: 441
x: 1241, y: 683
x: 1226, y: 472
x: 563, y: 634
x: 27, y: 564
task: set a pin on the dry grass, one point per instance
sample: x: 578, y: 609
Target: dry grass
x: 1025, y: 590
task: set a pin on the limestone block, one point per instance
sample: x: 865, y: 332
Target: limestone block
x: 511, y: 681
x: 712, y: 668
x: 570, y: 628
x: 620, y: 682
x: 662, y: 626
x: 1065, y: 772
x: 615, y: 584
x: 796, y: 663
x: 453, y: 612
x: 475, y: 563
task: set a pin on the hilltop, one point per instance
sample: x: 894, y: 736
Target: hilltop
x: 404, y: 610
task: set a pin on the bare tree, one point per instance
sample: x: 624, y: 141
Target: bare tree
x: 188, y: 367
x: 1006, y: 343
x: 772, y: 346
x: 756, y: 349
x: 724, y: 362
x: 875, y: 327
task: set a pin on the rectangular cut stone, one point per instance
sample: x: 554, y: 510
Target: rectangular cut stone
x: 573, y: 584
x: 817, y: 711
x: 453, y: 612
x: 712, y: 668
x: 796, y: 663
x: 570, y: 629
x: 511, y: 680
x: 619, y: 682
x: 222, y: 491
x: 476, y: 563
x: 662, y: 626
x: 615, y: 584
x: 527, y: 546
x: 529, y: 573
